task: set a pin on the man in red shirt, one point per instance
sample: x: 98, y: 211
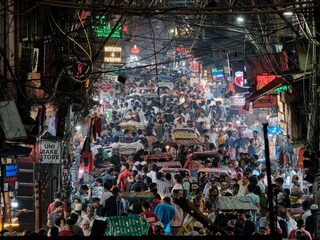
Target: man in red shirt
x: 68, y: 230
x: 57, y: 197
x: 122, y: 178
x: 148, y: 214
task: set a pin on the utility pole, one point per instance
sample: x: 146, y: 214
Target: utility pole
x: 313, y: 119
x: 37, y: 205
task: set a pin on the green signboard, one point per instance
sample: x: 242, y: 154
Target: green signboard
x: 102, y: 28
x: 127, y: 226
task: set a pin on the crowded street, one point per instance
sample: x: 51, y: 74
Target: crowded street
x: 160, y: 118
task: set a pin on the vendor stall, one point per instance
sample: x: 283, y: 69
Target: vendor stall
x: 186, y: 137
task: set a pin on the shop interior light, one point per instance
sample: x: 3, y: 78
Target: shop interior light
x: 6, y: 225
x: 288, y: 13
x: 78, y: 127
x: 14, y: 203
x: 167, y: 147
x: 240, y: 19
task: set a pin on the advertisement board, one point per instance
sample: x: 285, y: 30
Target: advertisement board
x: 237, y: 100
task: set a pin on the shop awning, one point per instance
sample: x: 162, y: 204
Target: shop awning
x: 265, y: 90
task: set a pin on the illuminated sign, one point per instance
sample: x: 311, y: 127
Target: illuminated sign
x: 102, y: 28
x: 263, y: 80
x: 112, y: 49
x: 135, y: 49
x: 112, y: 54
x: 217, y: 74
x: 10, y: 171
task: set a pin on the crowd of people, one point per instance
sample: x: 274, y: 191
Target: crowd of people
x: 239, y: 148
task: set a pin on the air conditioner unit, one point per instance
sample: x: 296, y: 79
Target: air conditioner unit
x: 29, y: 58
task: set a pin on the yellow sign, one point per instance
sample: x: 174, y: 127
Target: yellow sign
x: 184, y: 135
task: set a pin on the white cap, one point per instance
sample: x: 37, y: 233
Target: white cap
x: 143, y: 163
x: 314, y: 207
x: 159, y: 224
x: 198, y: 225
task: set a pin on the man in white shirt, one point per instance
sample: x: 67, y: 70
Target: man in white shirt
x: 291, y: 223
x: 203, y: 118
x: 106, y: 193
x: 152, y: 173
x: 244, y: 182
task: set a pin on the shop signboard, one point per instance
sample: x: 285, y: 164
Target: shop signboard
x: 9, y: 176
x: 237, y: 100
x: 265, y: 102
x: 274, y: 130
x: 217, y: 74
x: 102, y: 28
x: 112, y: 55
x: 284, y: 126
x: 50, y: 152
x: 264, y: 79
x: 241, y: 83
x: 273, y: 121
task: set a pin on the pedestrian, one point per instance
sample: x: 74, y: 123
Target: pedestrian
x: 58, y: 209
x: 165, y: 213
x: 311, y: 220
x: 57, y: 197
x: 158, y: 229
x: 148, y: 214
x: 68, y: 231
x: 197, y: 230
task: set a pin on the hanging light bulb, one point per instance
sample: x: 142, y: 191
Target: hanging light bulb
x: 14, y: 202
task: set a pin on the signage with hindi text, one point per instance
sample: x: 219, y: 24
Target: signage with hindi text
x: 265, y: 102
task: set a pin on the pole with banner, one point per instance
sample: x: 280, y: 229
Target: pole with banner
x: 86, y: 162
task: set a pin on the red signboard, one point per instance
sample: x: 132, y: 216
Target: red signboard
x: 180, y: 50
x: 265, y: 102
x: 263, y: 80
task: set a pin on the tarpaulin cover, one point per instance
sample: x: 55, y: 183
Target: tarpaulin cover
x: 127, y: 148
x: 126, y: 226
x: 235, y: 203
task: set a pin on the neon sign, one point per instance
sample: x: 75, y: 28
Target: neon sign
x: 263, y: 80
x: 217, y: 74
x: 102, y: 28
